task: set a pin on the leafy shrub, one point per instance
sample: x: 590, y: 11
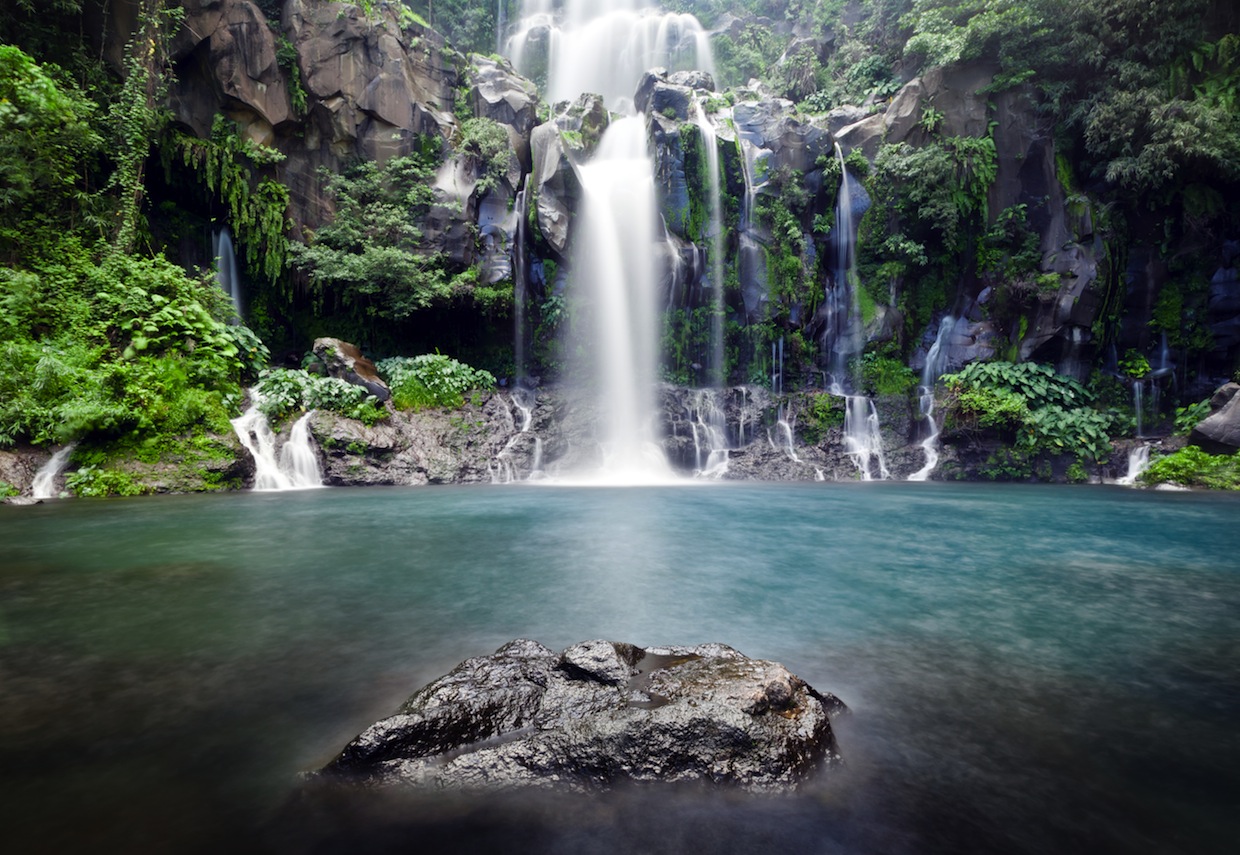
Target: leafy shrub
x: 7, y: 490
x: 1134, y: 365
x: 887, y: 376
x: 823, y: 413
x: 1193, y: 467
x: 283, y: 392
x: 1047, y: 411
x: 95, y: 481
x: 1186, y: 418
x: 431, y: 380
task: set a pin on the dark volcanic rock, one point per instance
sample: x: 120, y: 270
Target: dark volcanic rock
x: 1219, y: 432
x: 599, y: 714
x: 345, y: 361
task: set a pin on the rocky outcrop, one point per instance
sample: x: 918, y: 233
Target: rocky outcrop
x: 600, y: 714
x: 345, y: 361
x: 1219, y: 432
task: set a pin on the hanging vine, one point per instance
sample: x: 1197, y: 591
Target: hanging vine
x: 257, y: 212
x: 136, y: 114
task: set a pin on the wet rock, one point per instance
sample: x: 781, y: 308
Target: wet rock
x: 346, y: 362
x: 600, y: 714
x: 1219, y: 432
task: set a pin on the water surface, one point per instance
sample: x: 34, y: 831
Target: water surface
x: 1030, y: 669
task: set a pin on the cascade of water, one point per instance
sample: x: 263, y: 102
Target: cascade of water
x: 718, y: 367
x: 520, y: 286
x: 844, y: 338
x: 1138, y: 462
x: 295, y: 468
x: 1138, y: 404
x: 710, y: 434
x: 614, y: 262
x: 44, y: 484
x: 605, y: 46
x: 226, y: 274
x: 863, y: 437
x: 936, y: 364
x: 297, y: 458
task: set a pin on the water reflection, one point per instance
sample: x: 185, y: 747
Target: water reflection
x: 1030, y: 670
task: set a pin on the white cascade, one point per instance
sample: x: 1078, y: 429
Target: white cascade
x: 504, y: 471
x: 863, y: 438
x: 936, y: 364
x: 44, y: 484
x: 227, y: 276
x: 710, y: 146
x: 710, y: 435
x: 604, y: 46
x: 615, y: 266
x: 1138, y: 405
x: 844, y: 337
x: 289, y: 468
x: 1138, y: 462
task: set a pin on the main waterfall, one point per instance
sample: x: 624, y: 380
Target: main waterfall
x: 604, y: 48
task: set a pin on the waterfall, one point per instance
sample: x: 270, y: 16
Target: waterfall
x: 1138, y: 462
x: 227, y: 276
x: 295, y: 467
x: 615, y: 264
x: 710, y: 146
x: 710, y: 434
x: 44, y: 484
x: 604, y: 46
x: 520, y: 287
x: 844, y: 337
x: 1138, y: 404
x: 936, y: 364
x: 863, y: 438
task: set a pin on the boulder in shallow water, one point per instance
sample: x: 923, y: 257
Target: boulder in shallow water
x: 599, y: 714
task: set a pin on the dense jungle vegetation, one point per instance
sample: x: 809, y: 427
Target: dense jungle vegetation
x: 111, y: 329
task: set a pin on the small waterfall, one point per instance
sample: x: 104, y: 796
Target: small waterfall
x: 614, y: 262
x: 604, y: 46
x: 710, y: 435
x: 295, y: 467
x: 1138, y: 405
x: 936, y: 364
x: 520, y: 286
x: 710, y: 145
x: 863, y: 438
x: 297, y: 457
x: 1138, y: 462
x: 523, y: 401
x: 786, y: 443
x: 227, y: 276
x: 44, y: 484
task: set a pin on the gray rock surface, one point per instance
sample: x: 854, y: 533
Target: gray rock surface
x: 1219, y: 432
x: 345, y: 361
x: 600, y: 714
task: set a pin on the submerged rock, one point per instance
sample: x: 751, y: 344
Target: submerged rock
x: 599, y: 714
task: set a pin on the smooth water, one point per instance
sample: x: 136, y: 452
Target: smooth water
x: 1030, y: 669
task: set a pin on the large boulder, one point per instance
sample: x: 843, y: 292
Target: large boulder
x: 345, y: 361
x: 1219, y: 432
x: 600, y: 714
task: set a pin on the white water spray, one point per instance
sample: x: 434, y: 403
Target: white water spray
x: 936, y: 364
x: 1138, y: 462
x: 44, y: 484
x: 295, y: 467
x: 227, y: 276
x: 604, y: 46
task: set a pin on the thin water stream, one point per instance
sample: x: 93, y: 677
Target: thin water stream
x: 1030, y: 669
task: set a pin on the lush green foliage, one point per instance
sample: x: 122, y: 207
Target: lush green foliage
x: 1047, y: 412
x: 257, y: 211
x: 284, y: 392
x: 884, y: 375
x: 112, y: 347
x: 46, y: 132
x: 431, y: 380
x: 1187, y: 418
x: 1192, y: 467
